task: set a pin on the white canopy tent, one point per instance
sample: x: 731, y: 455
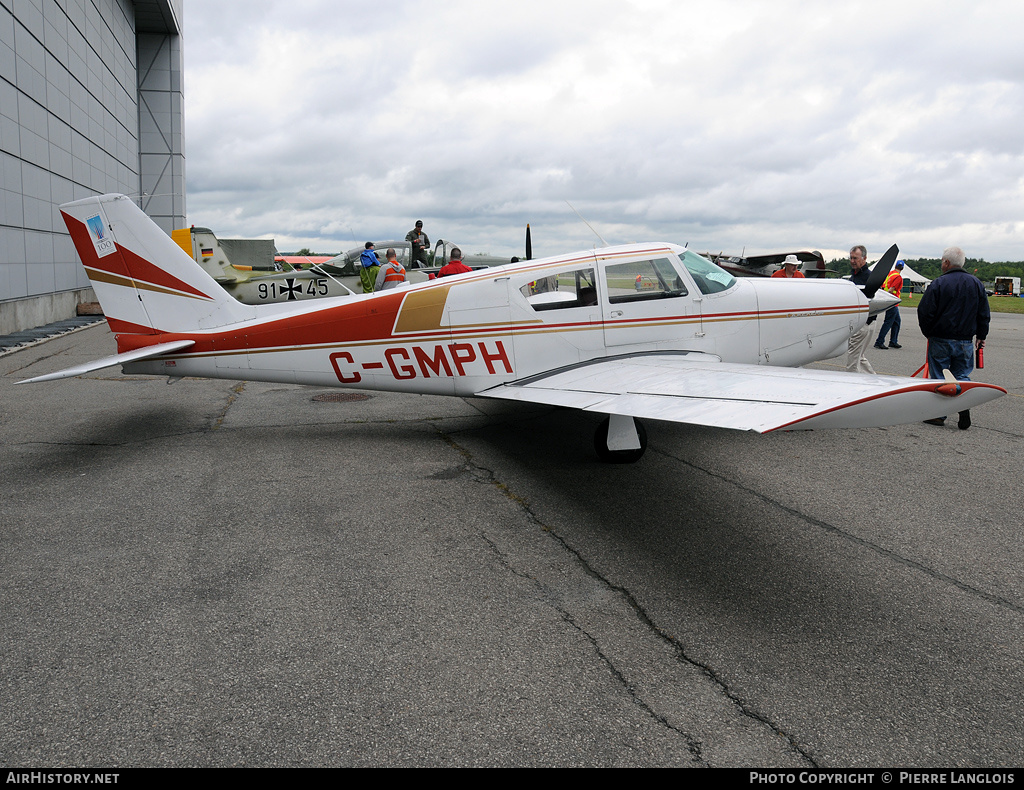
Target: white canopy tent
x: 909, y: 274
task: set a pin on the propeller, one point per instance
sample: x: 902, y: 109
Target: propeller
x: 881, y: 271
x: 529, y: 243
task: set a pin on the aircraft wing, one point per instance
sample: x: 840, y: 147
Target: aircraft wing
x: 699, y: 389
x: 116, y: 359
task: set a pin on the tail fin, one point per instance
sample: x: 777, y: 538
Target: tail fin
x: 144, y: 281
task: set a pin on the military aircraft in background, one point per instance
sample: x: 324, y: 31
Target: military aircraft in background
x: 641, y: 330
x: 812, y: 264
x: 253, y: 273
x: 300, y: 262
x: 346, y: 264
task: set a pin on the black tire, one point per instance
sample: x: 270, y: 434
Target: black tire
x: 618, y: 456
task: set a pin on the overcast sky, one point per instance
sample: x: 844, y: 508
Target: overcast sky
x: 732, y: 125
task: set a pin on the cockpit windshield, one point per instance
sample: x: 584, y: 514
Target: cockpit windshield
x: 710, y: 278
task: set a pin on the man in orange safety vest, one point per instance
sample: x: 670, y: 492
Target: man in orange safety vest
x: 391, y: 273
x: 893, y: 284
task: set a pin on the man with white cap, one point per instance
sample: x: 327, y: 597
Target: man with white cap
x: 789, y: 268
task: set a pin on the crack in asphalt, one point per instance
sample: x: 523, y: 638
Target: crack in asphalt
x: 692, y: 745
x: 33, y: 361
x: 235, y: 392
x: 217, y: 422
x: 129, y: 443
x: 998, y: 600
x: 483, y: 474
x: 1000, y: 431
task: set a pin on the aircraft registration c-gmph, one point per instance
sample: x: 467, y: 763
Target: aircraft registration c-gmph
x: 643, y: 330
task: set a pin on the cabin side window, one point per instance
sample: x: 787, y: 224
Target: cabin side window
x: 560, y: 291
x: 636, y: 281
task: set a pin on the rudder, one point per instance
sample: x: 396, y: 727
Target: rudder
x: 144, y: 281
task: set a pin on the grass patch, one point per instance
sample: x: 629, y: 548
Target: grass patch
x: 997, y: 304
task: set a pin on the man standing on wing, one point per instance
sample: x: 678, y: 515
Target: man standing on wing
x: 419, y: 241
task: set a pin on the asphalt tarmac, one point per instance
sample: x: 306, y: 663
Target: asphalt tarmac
x: 222, y: 573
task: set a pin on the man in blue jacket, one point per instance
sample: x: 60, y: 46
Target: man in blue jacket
x: 368, y: 268
x: 954, y: 316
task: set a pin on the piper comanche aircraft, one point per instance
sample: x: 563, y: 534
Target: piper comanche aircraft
x: 643, y: 330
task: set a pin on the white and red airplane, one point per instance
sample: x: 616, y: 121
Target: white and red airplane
x: 643, y: 330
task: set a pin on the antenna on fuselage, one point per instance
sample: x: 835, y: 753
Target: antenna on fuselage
x: 570, y: 205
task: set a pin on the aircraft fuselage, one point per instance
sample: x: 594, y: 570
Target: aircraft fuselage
x: 467, y: 333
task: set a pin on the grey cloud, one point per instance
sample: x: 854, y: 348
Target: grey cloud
x: 803, y: 125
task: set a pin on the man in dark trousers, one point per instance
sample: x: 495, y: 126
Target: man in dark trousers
x: 893, y: 284
x: 419, y: 241
x: 954, y: 316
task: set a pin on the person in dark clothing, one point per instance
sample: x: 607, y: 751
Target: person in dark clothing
x: 419, y: 241
x: 954, y: 316
x: 856, y: 362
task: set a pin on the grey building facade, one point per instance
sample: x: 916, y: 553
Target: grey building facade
x: 91, y: 101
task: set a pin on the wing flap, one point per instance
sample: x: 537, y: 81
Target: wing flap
x: 699, y: 390
x: 116, y: 359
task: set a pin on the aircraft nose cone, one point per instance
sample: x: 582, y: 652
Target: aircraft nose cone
x: 881, y: 302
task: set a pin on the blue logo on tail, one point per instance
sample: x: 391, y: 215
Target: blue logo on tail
x: 98, y: 230
x: 96, y: 227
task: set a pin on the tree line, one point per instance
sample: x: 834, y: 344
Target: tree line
x: 932, y: 267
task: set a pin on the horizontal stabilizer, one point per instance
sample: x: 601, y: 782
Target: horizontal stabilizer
x: 696, y: 389
x: 116, y: 359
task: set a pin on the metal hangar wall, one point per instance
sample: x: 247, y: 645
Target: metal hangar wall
x: 91, y: 101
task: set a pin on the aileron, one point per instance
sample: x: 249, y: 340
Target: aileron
x: 696, y: 389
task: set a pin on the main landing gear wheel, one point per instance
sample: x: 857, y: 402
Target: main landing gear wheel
x: 628, y: 456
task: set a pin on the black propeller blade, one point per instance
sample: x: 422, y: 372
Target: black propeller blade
x: 881, y: 271
x: 529, y: 243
